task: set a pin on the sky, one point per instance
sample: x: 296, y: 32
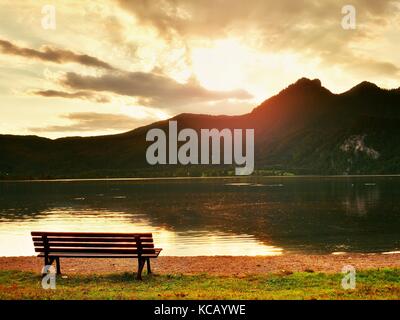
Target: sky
x: 103, y: 67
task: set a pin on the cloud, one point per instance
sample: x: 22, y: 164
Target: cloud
x: 92, y: 121
x: 312, y: 28
x: 210, y: 18
x: 52, y: 54
x: 151, y: 89
x: 367, y: 67
x: 86, y: 95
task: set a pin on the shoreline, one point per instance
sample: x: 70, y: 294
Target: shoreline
x: 204, y: 178
x: 215, y: 265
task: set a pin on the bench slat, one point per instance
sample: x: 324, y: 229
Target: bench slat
x: 83, y: 239
x: 95, y: 245
x: 104, y: 256
x: 90, y: 234
x: 95, y: 250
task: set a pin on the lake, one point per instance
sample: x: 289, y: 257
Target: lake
x: 221, y: 216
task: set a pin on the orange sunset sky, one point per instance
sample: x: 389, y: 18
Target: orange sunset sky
x: 110, y: 66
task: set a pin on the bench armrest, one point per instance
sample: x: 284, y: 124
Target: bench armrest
x: 157, y: 250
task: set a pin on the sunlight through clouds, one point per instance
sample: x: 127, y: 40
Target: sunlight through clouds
x: 168, y: 57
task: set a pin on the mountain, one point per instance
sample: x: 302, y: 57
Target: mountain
x: 305, y: 129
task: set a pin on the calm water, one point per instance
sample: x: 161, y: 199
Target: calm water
x: 252, y: 216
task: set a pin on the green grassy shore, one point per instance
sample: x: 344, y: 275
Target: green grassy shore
x: 370, y: 284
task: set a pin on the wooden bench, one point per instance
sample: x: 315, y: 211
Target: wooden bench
x: 55, y: 245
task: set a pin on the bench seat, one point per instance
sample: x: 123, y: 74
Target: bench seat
x: 98, y: 255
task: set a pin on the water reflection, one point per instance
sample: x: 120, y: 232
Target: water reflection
x: 17, y: 231
x: 256, y: 216
x: 360, y: 200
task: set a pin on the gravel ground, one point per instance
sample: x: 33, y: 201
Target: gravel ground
x: 215, y: 265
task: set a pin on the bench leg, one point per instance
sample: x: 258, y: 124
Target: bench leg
x: 141, y: 263
x: 48, y: 261
x: 58, y: 265
x: 148, y: 266
x: 45, y: 264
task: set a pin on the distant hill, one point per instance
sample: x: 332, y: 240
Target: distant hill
x: 305, y: 129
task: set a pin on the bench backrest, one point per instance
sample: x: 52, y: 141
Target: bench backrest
x: 88, y: 242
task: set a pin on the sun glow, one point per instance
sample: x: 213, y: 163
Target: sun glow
x: 221, y: 65
x: 229, y: 64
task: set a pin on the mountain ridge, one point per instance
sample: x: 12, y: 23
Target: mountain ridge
x: 304, y: 129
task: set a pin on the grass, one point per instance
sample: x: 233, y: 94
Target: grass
x: 371, y: 284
